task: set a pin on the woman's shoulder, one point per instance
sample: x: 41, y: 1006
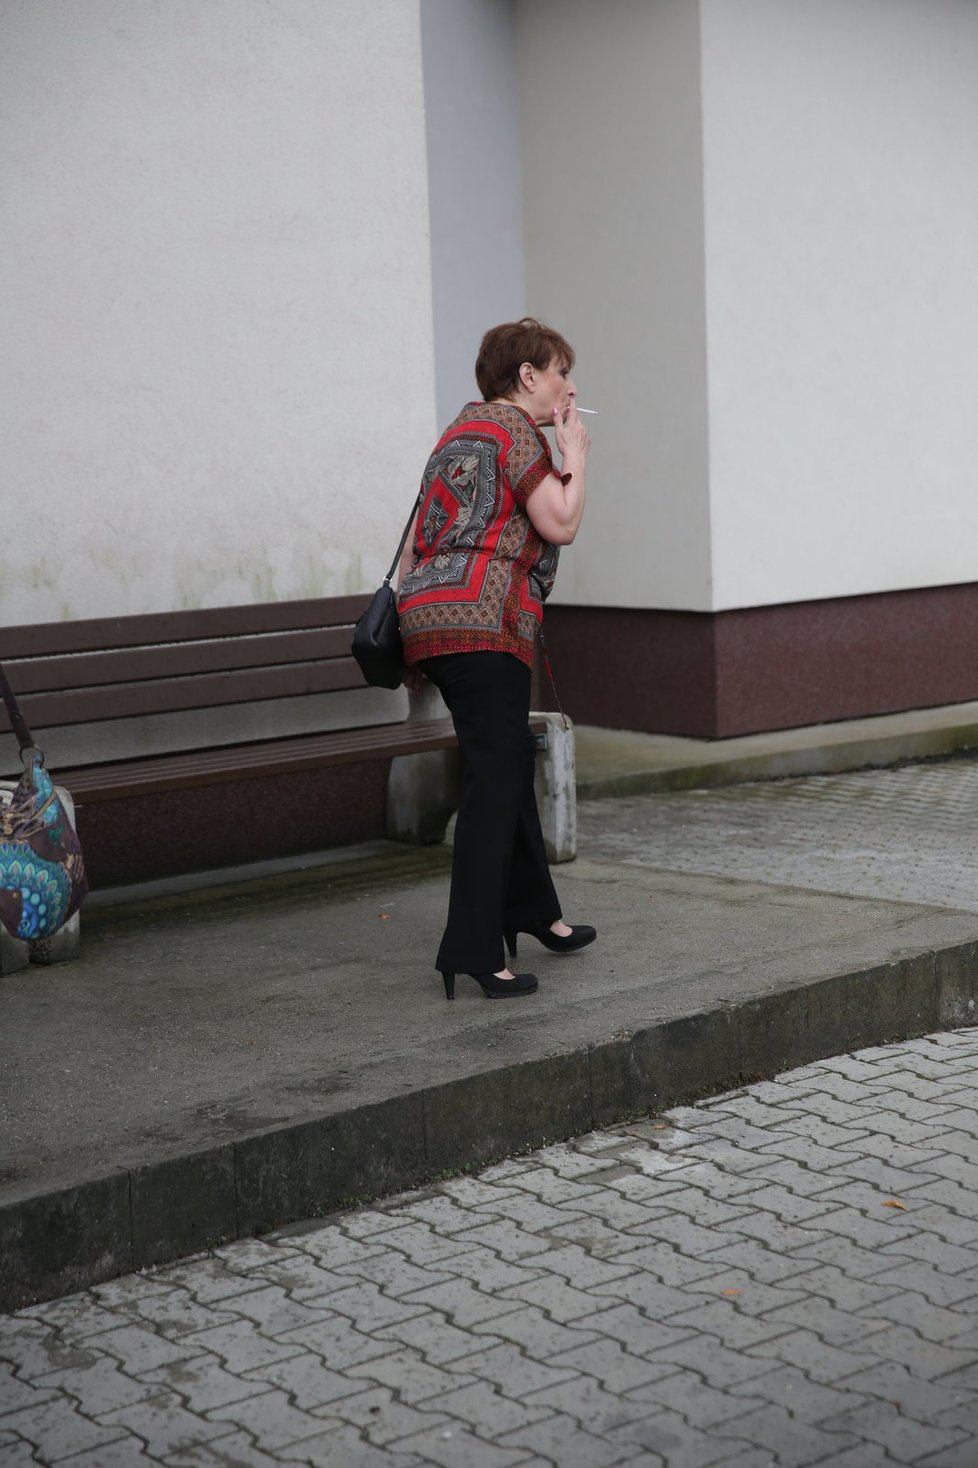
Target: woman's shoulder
x: 517, y: 424
x: 480, y: 412
x: 524, y: 454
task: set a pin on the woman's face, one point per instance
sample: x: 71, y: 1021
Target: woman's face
x: 553, y: 387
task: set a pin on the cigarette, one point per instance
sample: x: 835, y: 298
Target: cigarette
x: 592, y: 411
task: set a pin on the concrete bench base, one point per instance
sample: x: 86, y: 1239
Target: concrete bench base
x: 556, y: 788
x: 61, y: 948
x: 423, y: 789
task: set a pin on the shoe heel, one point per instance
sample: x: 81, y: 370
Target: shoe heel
x: 511, y: 943
x: 449, y: 981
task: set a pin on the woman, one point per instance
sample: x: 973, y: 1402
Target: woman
x: 475, y: 574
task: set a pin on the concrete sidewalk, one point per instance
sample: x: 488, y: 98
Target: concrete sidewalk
x: 222, y: 1062
x: 622, y: 762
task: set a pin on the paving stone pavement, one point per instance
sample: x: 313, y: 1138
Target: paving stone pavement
x: 906, y: 834
x: 783, y: 1275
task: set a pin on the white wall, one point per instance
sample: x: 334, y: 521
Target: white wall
x: 756, y: 219
x: 758, y: 222
x: 215, y: 378
x: 475, y: 183
x: 841, y: 188
x: 610, y: 113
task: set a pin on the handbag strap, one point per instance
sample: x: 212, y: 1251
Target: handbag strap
x: 397, y: 553
x: 17, y: 721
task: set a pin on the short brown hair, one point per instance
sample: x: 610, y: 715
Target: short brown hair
x: 505, y: 348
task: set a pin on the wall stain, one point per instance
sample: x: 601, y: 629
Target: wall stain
x: 354, y: 580
x: 117, y: 584
x: 46, y: 603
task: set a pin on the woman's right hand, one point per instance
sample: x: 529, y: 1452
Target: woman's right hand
x: 570, y: 434
x: 556, y: 505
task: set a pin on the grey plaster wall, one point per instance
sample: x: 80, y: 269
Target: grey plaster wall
x: 475, y: 183
x: 613, y: 230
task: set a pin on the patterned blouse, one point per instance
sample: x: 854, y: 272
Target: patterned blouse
x: 482, y: 572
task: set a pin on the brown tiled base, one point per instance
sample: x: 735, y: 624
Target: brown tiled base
x: 715, y: 675
x: 154, y: 836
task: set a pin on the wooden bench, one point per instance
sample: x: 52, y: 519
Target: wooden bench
x: 138, y: 678
x: 95, y: 671
x: 159, y: 726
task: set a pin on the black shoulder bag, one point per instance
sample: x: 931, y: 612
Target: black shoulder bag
x: 376, y: 641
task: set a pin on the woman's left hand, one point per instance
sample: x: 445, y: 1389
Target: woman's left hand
x: 412, y: 679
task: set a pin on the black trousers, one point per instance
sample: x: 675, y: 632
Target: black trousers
x: 500, y: 875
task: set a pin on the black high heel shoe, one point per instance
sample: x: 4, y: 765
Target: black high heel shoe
x: 578, y: 937
x: 494, y: 987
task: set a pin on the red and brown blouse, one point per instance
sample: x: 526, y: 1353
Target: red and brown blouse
x: 482, y: 572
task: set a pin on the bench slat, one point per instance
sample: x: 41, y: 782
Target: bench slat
x: 95, y: 634
x: 129, y: 700
x: 272, y: 757
x: 174, y: 660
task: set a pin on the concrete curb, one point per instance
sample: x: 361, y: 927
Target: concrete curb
x: 826, y: 750
x: 132, y: 1216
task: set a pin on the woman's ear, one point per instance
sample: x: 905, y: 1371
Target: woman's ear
x: 528, y: 376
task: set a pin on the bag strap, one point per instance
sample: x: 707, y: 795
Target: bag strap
x: 397, y: 553
x: 550, y: 675
x: 17, y: 721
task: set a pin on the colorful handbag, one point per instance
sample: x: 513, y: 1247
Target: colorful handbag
x: 42, y: 872
x: 376, y: 641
